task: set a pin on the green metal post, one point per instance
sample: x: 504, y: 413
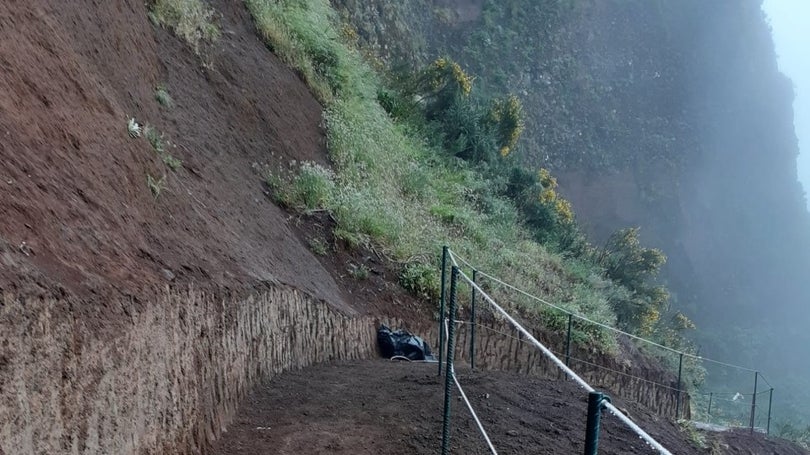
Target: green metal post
x: 441, y: 307
x: 596, y: 401
x: 754, y: 401
x: 711, y: 395
x: 770, y: 402
x: 448, y: 375
x: 472, y: 323
x: 678, y: 392
x: 568, y: 340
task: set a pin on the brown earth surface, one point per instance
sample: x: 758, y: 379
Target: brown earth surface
x: 379, y: 406
x: 77, y: 217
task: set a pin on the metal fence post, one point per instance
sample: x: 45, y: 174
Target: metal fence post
x: 441, y: 307
x: 754, y: 401
x: 596, y: 401
x: 568, y: 340
x: 770, y: 402
x: 472, y: 323
x: 711, y: 395
x: 678, y: 392
x: 449, y: 368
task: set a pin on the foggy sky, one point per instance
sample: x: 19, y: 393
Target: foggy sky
x: 790, y: 20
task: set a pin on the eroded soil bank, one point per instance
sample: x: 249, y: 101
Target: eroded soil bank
x: 169, y: 383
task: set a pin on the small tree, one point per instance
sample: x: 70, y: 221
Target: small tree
x: 635, y: 267
x: 550, y: 216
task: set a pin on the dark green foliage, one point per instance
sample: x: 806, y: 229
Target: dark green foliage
x: 467, y: 134
x: 326, y: 63
x: 421, y: 280
x: 633, y: 266
x: 550, y: 216
x: 440, y: 98
x: 397, y: 106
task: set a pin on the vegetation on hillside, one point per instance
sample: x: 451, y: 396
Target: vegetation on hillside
x: 686, y: 101
x: 421, y: 161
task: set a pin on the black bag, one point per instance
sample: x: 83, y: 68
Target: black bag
x: 402, y: 343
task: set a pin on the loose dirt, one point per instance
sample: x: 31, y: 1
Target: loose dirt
x: 379, y: 406
x: 77, y: 217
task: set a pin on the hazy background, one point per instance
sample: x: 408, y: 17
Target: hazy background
x: 790, y: 20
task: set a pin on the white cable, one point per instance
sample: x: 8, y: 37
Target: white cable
x: 453, y: 257
x: 547, y: 303
x: 475, y: 417
x: 528, y: 335
x: 464, y: 395
x: 643, y: 434
x: 464, y: 261
x: 633, y: 426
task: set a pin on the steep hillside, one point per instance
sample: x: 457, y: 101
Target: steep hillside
x: 149, y: 282
x: 77, y: 209
x: 671, y: 116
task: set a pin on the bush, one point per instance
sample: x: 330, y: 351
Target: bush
x: 550, y: 216
x: 422, y: 280
x: 635, y: 267
x: 506, y: 117
x: 310, y: 187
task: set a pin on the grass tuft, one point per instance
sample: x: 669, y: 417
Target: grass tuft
x: 155, y: 138
x: 163, y: 98
x: 359, y: 272
x: 318, y: 246
x: 173, y: 163
x: 191, y: 20
x: 156, y: 186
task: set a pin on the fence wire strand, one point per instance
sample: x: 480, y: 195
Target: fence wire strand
x: 454, y: 256
x: 466, y: 400
x: 743, y: 397
x: 601, y: 367
x: 475, y: 417
x: 610, y: 407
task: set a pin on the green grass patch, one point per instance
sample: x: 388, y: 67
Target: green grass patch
x: 156, y: 139
x: 310, y: 186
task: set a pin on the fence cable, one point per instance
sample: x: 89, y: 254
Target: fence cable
x: 454, y: 256
x: 586, y: 362
x: 464, y: 397
x: 609, y: 406
x: 475, y: 417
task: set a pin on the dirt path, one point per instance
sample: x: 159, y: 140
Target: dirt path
x: 377, y: 406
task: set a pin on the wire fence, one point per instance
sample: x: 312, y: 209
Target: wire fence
x: 733, y: 407
x: 449, y: 330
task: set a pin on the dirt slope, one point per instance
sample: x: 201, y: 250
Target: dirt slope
x: 378, y: 406
x: 76, y: 214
